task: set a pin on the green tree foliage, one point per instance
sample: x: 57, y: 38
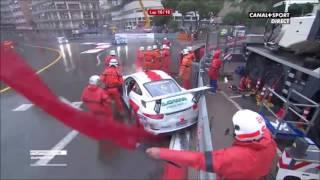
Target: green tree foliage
x: 252, y: 5
x: 186, y: 6
x: 172, y: 4
x: 234, y: 18
x: 203, y: 7
x: 246, y: 6
x: 161, y: 20
x: 206, y: 7
x: 174, y: 25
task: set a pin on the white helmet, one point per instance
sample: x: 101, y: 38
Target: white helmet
x: 154, y: 47
x: 149, y: 48
x: 165, y: 38
x: 141, y: 48
x: 112, y: 52
x: 94, y: 80
x: 189, y: 48
x: 248, y: 125
x: 185, y: 51
x: 113, y: 62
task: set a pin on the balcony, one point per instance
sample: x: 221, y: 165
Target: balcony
x: 34, y: 3
x: 61, y: 10
x: 19, y: 21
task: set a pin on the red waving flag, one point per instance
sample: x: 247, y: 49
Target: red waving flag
x: 20, y: 76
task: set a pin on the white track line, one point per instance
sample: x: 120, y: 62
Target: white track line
x: 23, y: 107
x: 232, y: 101
x: 98, y: 58
x: 91, y: 51
x: 62, y: 143
x: 53, y: 165
x: 279, y: 153
x: 103, y: 46
x: 236, y: 96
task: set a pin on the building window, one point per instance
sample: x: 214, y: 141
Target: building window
x: 86, y: 6
x: 64, y: 15
x: 94, y: 15
x: 61, y: 6
x: 76, y: 15
x: 51, y: 6
x: 187, y: 18
x: 177, y: 18
x: 87, y: 15
x: 54, y: 15
x: 94, y: 6
x: 74, y: 6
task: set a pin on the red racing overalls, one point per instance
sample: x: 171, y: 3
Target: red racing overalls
x: 113, y: 80
x: 243, y: 160
x: 148, y: 63
x: 97, y: 101
x: 215, y: 66
x: 139, y: 59
x: 185, y: 71
x: 166, y: 60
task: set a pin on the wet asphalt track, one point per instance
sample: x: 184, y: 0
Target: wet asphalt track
x: 31, y: 129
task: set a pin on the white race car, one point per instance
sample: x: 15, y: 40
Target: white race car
x: 158, y: 103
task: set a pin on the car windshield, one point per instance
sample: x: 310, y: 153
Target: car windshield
x: 163, y: 87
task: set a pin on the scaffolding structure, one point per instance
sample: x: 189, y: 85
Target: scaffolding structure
x: 288, y: 127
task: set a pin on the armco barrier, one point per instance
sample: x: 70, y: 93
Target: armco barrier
x: 179, y: 141
x: 182, y: 140
x: 168, y: 35
x: 135, y: 35
x: 203, y: 130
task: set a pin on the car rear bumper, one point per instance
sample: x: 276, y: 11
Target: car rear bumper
x: 163, y: 131
x: 171, y: 125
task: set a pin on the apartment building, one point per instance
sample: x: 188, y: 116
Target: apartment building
x: 16, y: 14
x: 65, y: 14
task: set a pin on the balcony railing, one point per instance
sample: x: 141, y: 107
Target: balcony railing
x: 58, y: 20
x: 58, y: 10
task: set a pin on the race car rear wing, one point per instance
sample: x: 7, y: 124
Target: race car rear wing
x: 195, y: 90
x: 198, y: 92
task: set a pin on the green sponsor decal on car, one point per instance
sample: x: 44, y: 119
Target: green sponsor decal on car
x: 172, y: 101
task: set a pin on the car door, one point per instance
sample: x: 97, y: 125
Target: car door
x: 126, y: 90
x: 135, y: 96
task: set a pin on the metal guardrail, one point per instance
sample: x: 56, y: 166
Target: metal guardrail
x: 182, y: 140
x: 290, y: 106
x: 203, y: 130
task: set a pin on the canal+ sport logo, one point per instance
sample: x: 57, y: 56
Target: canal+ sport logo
x: 275, y: 17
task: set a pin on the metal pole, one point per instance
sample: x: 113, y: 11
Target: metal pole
x: 207, y: 40
x: 286, y: 107
x: 305, y: 105
x: 314, y: 117
x: 218, y: 37
x: 306, y: 98
x: 235, y: 42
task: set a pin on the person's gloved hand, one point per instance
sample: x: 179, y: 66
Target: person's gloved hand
x: 153, y: 152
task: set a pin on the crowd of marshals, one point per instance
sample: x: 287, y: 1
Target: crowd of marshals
x: 250, y: 156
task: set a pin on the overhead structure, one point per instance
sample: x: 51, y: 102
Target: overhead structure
x: 146, y: 16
